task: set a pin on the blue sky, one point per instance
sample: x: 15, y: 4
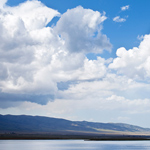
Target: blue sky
x: 79, y: 60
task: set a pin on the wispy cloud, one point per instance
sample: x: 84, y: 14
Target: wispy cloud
x: 118, y: 19
x: 123, y: 8
x: 140, y: 37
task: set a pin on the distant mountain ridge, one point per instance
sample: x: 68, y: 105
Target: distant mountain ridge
x: 39, y: 124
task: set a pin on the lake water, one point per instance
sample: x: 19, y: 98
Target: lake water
x: 73, y: 145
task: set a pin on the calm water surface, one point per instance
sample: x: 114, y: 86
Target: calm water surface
x: 73, y: 145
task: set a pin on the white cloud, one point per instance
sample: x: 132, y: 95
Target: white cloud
x: 134, y: 63
x: 140, y: 37
x: 81, y: 30
x: 123, y: 8
x: 2, y: 3
x: 70, y: 109
x: 118, y: 19
x: 93, y: 69
x: 34, y: 58
x: 130, y: 106
x: 34, y: 14
x: 107, y: 86
x: 21, y: 53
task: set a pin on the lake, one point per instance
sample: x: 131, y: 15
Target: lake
x: 73, y: 145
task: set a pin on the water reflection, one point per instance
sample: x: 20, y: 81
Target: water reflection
x: 73, y: 145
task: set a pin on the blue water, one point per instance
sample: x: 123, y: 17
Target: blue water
x: 73, y: 145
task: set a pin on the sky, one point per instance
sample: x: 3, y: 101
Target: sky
x: 77, y: 60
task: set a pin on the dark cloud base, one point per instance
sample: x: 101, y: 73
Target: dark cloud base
x: 7, y: 99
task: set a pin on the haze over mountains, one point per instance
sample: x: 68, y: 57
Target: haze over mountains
x: 38, y: 124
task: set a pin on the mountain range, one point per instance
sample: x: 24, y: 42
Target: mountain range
x: 39, y: 124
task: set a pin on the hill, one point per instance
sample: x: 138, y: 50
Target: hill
x: 38, y: 124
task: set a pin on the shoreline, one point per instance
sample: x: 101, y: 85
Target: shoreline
x: 74, y: 137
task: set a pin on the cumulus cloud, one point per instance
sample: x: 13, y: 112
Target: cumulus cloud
x: 34, y: 58
x: 118, y: 19
x: 81, y: 30
x: 20, y: 51
x: 46, y: 68
x: 34, y: 14
x: 134, y: 63
x: 2, y: 3
x: 123, y: 8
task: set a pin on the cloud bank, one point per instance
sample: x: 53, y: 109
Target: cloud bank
x: 35, y: 57
x: 45, y: 71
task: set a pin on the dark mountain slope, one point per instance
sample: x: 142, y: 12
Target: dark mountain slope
x: 24, y: 123
x: 38, y: 124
